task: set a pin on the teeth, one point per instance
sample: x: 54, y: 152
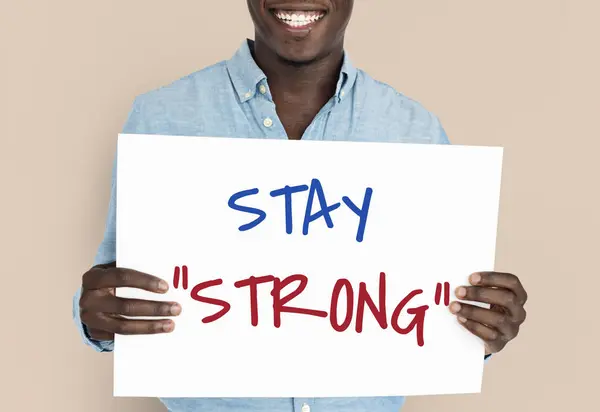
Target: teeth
x: 297, y: 19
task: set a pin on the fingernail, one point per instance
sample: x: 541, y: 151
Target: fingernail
x: 162, y: 285
x: 475, y: 278
x: 168, y: 326
x: 175, y: 309
x: 461, y: 319
x: 455, y: 307
x: 461, y: 292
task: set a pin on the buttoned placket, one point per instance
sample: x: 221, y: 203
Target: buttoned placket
x: 304, y: 405
x: 264, y: 111
x: 264, y: 107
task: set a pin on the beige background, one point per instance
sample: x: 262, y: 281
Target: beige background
x: 518, y: 73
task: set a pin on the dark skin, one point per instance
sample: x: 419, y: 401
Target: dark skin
x: 102, y: 312
x: 302, y: 67
x: 499, y: 324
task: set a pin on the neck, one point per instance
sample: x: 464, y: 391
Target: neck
x: 318, y: 77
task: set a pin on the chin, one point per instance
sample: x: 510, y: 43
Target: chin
x: 298, y: 60
x: 298, y: 56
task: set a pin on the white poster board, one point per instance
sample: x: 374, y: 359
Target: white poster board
x: 429, y: 222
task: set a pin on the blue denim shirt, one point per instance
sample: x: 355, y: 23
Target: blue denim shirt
x: 232, y: 99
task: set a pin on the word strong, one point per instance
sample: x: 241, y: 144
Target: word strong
x: 355, y: 303
x: 315, y: 190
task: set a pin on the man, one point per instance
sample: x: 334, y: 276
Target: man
x: 294, y: 81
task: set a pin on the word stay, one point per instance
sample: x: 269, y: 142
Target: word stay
x: 314, y: 190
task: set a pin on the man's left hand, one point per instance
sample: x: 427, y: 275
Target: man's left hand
x: 499, y: 324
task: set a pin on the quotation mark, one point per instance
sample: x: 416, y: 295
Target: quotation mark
x: 183, y: 271
x: 438, y: 293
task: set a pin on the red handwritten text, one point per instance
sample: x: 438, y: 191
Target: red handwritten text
x: 282, y: 302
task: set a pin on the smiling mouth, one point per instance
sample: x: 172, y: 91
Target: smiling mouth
x: 298, y: 19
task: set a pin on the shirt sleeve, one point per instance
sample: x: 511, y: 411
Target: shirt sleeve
x: 443, y: 136
x: 107, y: 250
x: 438, y: 133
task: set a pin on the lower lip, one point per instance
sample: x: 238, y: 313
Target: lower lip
x: 299, y: 29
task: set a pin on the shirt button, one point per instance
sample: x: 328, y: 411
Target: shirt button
x: 342, y: 93
x: 262, y: 89
x: 268, y: 123
x: 305, y: 408
x: 248, y: 95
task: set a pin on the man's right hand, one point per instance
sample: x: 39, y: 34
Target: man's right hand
x: 103, y: 313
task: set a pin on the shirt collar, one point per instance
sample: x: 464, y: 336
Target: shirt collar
x: 246, y: 76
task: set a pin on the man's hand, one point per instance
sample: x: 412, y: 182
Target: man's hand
x: 499, y: 324
x: 103, y: 313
